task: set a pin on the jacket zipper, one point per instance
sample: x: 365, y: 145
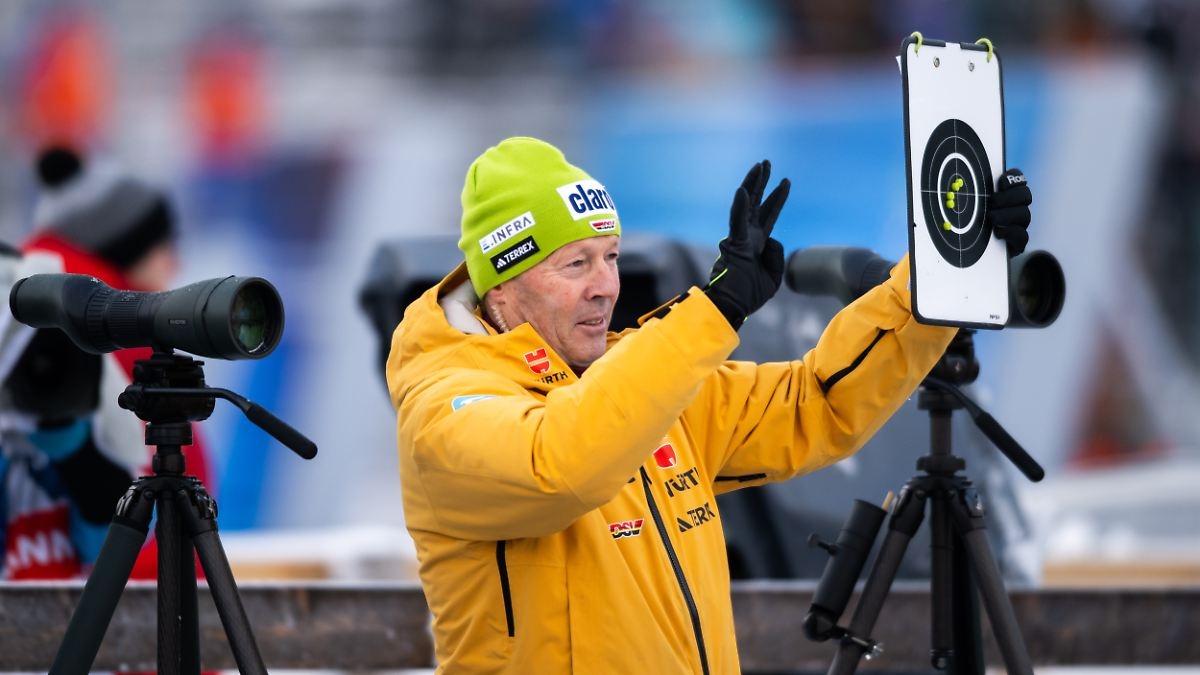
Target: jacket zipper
x: 837, y: 377
x: 742, y: 479
x: 683, y: 585
x: 502, y: 565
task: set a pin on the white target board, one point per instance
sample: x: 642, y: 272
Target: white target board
x: 954, y: 142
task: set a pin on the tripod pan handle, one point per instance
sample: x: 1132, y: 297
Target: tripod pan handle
x: 296, y: 441
x: 1010, y: 447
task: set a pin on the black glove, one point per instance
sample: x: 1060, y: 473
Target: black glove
x: 750, y: 267
x: 1008, y: 212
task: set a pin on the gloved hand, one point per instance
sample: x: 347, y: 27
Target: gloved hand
x: 1008, y: 212
x: 750, y: 267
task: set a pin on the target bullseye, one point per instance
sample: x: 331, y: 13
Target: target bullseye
x: 955, y: 186
x: 956, y: 182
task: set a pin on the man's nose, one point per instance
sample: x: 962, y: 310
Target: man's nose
x: 606, y: 282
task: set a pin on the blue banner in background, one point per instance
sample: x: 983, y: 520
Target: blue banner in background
x: 672, y: 155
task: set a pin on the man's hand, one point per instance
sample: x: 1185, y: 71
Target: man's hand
x: 750, y: 267
x: 1008, y: 212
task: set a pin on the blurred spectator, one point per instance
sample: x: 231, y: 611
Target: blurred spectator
x: 112, y: 226
x: 65, y: 80
x: 106, y: 224
x: 226, y: 96
x: 814, y: 28
x: 1173, y: 209
x: 67, y: 453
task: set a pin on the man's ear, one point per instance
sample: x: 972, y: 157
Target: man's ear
x: 493, y: 303
x: 496, y: 294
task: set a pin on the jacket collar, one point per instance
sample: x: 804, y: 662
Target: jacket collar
x: 444, y: 329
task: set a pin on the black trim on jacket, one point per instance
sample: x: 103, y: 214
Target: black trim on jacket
x: 502, y: 566
x: 683, y: 584
x: 836, y: 377
x: 742, y: 479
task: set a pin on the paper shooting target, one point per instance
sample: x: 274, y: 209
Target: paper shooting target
x: 955, y: 176
x: 954, y: 153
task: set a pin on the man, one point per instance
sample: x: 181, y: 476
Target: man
x: 560, y: 481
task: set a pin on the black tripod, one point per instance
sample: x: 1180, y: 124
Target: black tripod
x: 962, y: 560
x: 168, y: 392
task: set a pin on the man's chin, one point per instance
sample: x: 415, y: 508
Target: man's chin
x: 582, y: 360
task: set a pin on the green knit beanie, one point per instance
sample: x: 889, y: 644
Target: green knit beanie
x: 521, y: 202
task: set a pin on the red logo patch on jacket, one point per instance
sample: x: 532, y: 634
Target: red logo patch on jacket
x: 39, y: 547
x: 665, y: 457
x: 626, y: 528
x: 538, y: 361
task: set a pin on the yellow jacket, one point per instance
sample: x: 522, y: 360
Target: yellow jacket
x: 568, y: 524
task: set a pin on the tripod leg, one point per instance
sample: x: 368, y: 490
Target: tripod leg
x: 124, y: 540
x: 200, y: 514
x: 968, y: 642
x: 941, y: 583
x: 902, y: 525
x: 189, y: 610
x: 967, y: 512
x: 170, y: 636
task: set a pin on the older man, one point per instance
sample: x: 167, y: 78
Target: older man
x: 559, y: 480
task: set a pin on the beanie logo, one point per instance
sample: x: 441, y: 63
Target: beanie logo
x: 606, y: 225
x: 586, y: 198
x: 520, y: 251
x: 507, y: 231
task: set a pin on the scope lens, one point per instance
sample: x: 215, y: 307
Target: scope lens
x: 249, y: 319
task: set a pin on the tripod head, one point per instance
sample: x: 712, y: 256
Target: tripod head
x: 168, y: 392
x: 958, y: 365
x: 940, y: 395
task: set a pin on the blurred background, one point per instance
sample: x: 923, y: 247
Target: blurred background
x: 297, y: 137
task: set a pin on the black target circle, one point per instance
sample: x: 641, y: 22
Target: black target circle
x: 955, y: 186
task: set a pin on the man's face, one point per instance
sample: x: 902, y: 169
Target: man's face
x: 568, y: 298
x: 154, y: 270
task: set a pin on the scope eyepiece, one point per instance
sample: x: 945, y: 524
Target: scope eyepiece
x: 1037, y: 290
x: 225, y: 318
